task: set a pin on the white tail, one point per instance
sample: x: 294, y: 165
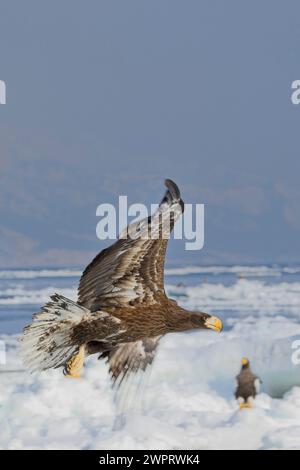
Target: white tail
x: 46, y: 343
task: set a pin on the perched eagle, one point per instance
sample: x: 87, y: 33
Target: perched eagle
x: 248, y: 385
x: 122, y: 309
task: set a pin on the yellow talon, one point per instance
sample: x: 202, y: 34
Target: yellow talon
x: 245, y: 405
x: 74, y: 365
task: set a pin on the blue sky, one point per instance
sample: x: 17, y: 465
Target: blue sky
x: 107, y: 98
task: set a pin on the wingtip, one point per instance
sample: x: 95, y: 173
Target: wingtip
x: 173, y: 188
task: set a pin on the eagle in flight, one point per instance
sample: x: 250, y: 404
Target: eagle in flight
x: 122, y: 309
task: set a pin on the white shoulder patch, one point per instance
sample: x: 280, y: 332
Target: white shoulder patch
x: 257, y: 385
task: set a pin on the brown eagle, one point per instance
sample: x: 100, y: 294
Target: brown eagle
x: 122, y: 309
x: 247, y: 385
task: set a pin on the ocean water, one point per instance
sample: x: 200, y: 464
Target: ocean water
x: 189, y: 396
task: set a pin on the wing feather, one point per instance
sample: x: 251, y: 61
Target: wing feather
x: 131, y: 271
x: 130, y: 358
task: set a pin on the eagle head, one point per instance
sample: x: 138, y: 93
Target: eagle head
x: 204, y: 320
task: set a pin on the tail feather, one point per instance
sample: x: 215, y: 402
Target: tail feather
x: 46, y: 343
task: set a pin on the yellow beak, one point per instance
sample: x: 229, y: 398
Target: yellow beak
x: 214, y: 323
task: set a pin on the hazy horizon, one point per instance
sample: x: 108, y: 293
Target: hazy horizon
x: 114, y: 97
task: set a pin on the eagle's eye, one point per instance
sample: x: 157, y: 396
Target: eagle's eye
x: 199, y: 319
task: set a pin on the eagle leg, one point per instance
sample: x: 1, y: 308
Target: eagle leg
x: 75, y: 364
x: 246, y: 404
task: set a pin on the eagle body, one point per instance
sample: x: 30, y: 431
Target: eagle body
x: 115, y: 326
x: 248, y: 384
x: 122, y: 309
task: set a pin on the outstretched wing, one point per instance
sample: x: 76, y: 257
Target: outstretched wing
x: 131, y: 271
x: 129, y: 358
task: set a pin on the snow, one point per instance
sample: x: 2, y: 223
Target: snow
x: 242, y: 270
x: 244, y: 295
x: 20, y: 295
x: 188, y: 401
x: 38, y: 273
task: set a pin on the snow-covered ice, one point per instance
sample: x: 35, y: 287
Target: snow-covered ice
x: 188, y: 403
